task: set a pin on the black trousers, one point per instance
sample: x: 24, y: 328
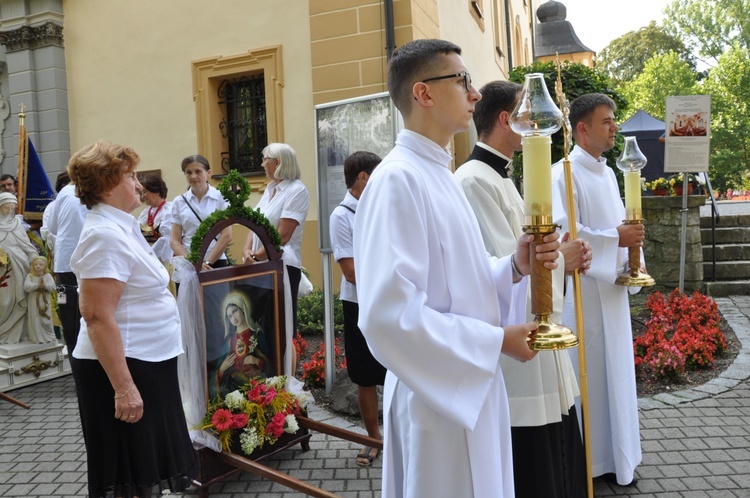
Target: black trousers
x: 68, y: 311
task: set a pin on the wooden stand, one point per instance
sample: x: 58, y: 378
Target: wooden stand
x: 10, y: 399
x: 215, y: 467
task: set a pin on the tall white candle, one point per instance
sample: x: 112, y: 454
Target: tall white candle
x: 537, y: 176
x: 632, y: 193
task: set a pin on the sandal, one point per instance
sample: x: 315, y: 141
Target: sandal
x: 366, y: 455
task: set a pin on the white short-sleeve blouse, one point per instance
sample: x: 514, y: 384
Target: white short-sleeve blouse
x: 111, y: 246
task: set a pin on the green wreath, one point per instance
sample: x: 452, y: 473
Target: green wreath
x: 236, y: 191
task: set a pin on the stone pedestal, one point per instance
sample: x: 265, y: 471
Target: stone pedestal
x: 25, y: 363
x: 663, y: 215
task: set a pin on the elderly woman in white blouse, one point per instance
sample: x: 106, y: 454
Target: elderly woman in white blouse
x: 285, y: 203
x: 136, y: 436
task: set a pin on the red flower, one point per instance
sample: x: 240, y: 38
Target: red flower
x: 222, y: 419
x: 276, y: 425
x: 239, y: 421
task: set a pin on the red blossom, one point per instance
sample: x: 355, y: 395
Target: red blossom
x: 314, y: 371
x: 276, y: 426
x: 239, y: 421
x: 222, y: 419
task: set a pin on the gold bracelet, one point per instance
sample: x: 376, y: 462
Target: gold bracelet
x: 125, y: 393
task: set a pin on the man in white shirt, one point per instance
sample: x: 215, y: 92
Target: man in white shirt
x: 65, y: 224
x: 435, y: 308
x: 363, y: 369
x: 613, y: 408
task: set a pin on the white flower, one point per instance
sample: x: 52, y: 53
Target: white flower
x: 290, y: 424
x: 235, y: 400
x: 249, y: 440
x: 278, y: 382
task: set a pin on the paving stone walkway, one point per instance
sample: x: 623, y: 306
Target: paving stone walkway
x: 696, y: 443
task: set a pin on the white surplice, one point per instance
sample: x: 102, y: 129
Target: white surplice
x: 431, y: 305
x: 613, y: 402
x: 540, y: 391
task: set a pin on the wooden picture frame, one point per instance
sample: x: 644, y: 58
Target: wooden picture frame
x: 245, y: 325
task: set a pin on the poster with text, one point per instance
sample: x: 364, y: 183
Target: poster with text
x: 688, y: 134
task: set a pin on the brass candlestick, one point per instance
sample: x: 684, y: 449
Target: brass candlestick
x: 631, y: 162
x: 633, y: 276
x: 536, y: 118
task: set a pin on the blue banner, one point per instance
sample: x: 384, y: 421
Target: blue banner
x: 39, y: 191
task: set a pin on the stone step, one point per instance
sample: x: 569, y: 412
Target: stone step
x: 727, y: 252
x: 730, y: 220
x: 727, y: 270
x: 727, y: 235
x: 727, y: 288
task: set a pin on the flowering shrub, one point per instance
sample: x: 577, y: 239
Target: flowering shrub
x: 300, y: 346
x: 657, y: 184
x: 682, y: 334
x: 314, y: 371
x: 677, y: 180
x: 262, y: 409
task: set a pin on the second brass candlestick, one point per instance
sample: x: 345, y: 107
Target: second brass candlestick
x: 633, y: 276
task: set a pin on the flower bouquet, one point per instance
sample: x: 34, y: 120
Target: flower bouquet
x: 261, y: 412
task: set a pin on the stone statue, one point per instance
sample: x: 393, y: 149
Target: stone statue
x: 40, y: 286
x: 15, y: 244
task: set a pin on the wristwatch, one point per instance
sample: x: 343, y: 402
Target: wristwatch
x: 517, y: 275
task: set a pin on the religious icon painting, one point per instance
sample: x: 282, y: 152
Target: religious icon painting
x: 243, y: 310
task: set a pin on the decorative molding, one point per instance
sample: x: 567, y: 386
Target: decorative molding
x: 31, y: 37
x: 36, y: 367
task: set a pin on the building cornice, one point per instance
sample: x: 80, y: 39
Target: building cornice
x: 31, y: 37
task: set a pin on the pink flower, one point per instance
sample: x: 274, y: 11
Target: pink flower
x: 239, y: 421
x: 276, y: 425
x: 268, y: 397
x: 222, y: 419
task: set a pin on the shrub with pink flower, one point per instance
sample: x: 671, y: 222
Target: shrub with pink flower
x: 261, y: 411
x: 682, y: 334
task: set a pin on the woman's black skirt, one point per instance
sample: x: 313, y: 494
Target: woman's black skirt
x: 138, y: 459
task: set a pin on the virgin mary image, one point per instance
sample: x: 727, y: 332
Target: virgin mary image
x: 246, y: 354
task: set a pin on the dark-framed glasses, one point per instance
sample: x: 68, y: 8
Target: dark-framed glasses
x: 463, y: 74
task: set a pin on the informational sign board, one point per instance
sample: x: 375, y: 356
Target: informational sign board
x: 688, y: 134
x: 367, y: 123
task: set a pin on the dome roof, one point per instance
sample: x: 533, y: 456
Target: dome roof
x: 554, y: 34
x: 551, y: 11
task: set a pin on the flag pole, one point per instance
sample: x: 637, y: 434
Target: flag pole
x: 22, y: 158
x: 577, y: 300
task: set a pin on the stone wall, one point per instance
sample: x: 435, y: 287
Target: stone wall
x: 663, y: 215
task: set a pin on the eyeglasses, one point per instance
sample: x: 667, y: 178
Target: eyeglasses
x: 463, y: 74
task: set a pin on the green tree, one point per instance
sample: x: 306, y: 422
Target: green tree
x: 709, y: 27
x: 729, y: 86
x: 625, y: 57
x: 662, y: 76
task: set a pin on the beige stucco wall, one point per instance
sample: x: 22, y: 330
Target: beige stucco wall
x: 129, y: 69
x: 129, y: 74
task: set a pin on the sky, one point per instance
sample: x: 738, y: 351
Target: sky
x: 598, y: 22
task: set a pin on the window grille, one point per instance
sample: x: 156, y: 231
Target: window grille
x: 244, y: 123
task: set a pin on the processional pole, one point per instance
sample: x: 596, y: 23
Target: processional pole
x: 573, y: 230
